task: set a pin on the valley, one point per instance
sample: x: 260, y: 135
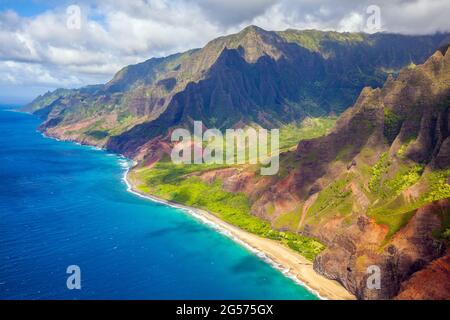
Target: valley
x: 364, y: 125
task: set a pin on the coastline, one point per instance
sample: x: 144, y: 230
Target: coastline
x: 282, y: 258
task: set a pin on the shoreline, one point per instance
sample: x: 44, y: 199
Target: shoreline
x: 290, y: 263
x: 278, y: 256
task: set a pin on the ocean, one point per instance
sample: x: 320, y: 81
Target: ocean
x: 62, y: 204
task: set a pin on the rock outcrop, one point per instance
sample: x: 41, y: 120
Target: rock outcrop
x: 252, y: 77
x: 375, y: 189
x: 430, y: 283
x: 352, y: 252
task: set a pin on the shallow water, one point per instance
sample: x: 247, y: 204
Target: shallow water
x: 62, y: 204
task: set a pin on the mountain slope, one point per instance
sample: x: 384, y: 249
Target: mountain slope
x: 255, y: 76
x: 376, y: 189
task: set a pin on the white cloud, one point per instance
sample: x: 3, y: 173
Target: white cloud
x: 20, y: 73
x: 351, y: 22
x: 41, y: 50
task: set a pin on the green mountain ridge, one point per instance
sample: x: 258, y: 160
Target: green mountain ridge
x: 375, y: 190
x: 372, y: 190
x: 255, y: 76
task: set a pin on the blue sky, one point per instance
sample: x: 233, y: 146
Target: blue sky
x: 40, y: 50
x: 29, y: 8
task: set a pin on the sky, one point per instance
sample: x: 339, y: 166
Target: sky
x: 48, y: 44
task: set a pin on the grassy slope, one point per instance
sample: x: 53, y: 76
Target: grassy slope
x: 384, y: 189
x: 394, y: 210
x: 382, y: 186
x: 169, y: 181
x: 292, y: 134
x: 313, y: 39
x: 334, y: 200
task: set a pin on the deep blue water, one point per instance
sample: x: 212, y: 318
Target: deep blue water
x: 62, y: 204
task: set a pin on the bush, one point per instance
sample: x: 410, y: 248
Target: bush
x: 446, y: 234
x: 377, y: 171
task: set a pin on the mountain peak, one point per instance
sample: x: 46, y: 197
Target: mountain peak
x: 260, y: 76
x: 253, y: 28
x: 256, y: 42
x: 444, y: 49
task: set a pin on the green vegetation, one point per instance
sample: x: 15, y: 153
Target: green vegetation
x: 47, y: 99
x: 314, y: 39
x: 290, y: 136
x: 125, y: 121
x: 405, y: 177
x: 310, y: 157
x: 395, y: 211
x: 446, y: 234
x: 333, y: 200
x: 170, y: 182
x: 166, y: 172
x: 344, y: 153
x: 402, y: 150
x: 377, y: 171
x: 288, y: 220
x: 97, y: 134
x: 309, y: 128
x: 438, y: 187
x: 100, y: 129
x: 391, y: 209
x: 395, y: 221
x: 392, y: 124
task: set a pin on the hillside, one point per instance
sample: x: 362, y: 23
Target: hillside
x: 253, y: 77
x: 368, y: 188
x: 375, y: 190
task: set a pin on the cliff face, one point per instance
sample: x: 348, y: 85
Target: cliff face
x: 252, y: 77
x: 375, y: 190
x: 387, y: 158
x: 431, y: 283
x: 354, y: 249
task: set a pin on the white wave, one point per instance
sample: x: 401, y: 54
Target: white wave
x: 260, y: 254
x: 127, y: 164
x: 95, y: 148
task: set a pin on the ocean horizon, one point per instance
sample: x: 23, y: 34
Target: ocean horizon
x: 64, y: 204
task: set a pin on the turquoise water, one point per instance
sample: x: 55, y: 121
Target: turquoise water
x: 62, y: 204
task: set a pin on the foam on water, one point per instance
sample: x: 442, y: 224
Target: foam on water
x: 64, y: 204
x: 285, y: 271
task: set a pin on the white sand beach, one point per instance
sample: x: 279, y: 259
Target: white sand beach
x: 288, y: 261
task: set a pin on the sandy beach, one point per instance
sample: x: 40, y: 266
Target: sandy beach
x: 288, y: 261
